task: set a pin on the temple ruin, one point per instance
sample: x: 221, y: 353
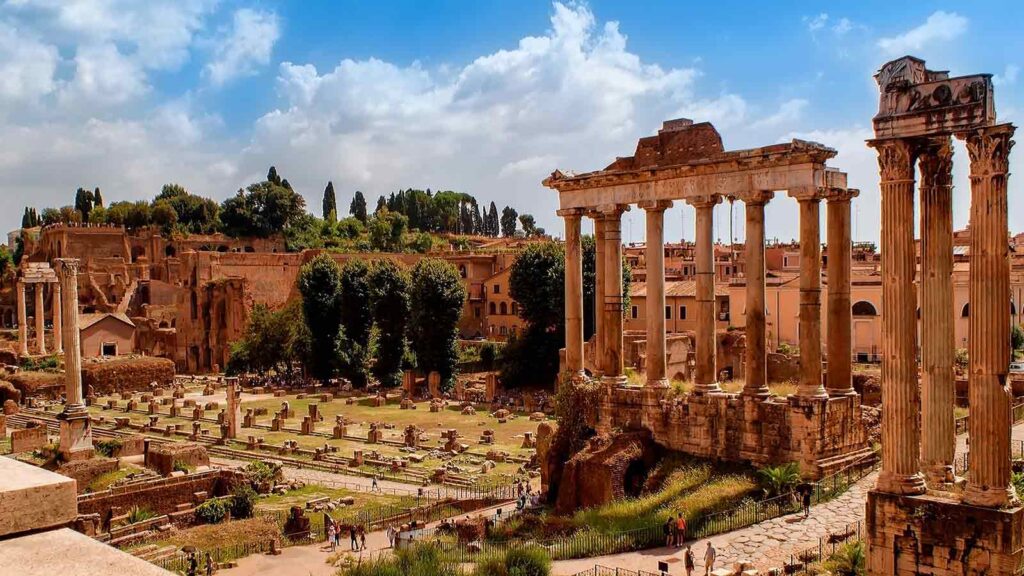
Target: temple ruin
x: 819, y: 427
x: 917, y: 523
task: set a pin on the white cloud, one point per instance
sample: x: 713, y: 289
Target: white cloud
x: 1008, y: 77
x: 789, y: 112
x: 27, y: 65
x: 104, y: 75
x: 815, y: 23
x: 246, y: 45
x: 842, y: 26
x: 940, y: 26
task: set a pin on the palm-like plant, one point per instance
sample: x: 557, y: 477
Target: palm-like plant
x: 850, y: 560
x: 777, y: 480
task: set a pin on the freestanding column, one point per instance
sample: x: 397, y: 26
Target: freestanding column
x: 840, y: 316
x: 22, y: 321
x: 705, y: 378
x: 599, y: 330
x: 655, y: 256
x: 75, y: 426
x: 937, y: 334
x: 573, y: 292
x: 40, y: 319
x: 900, y: 395
x: 810, y: 293
x: 613, y: 368
x: 756, y: 370
x: 988, y: 482
x: 58, y: 333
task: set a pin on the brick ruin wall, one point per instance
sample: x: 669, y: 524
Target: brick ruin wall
x: 160, y: 496
x: 126, y: 374
x: 823, y: 435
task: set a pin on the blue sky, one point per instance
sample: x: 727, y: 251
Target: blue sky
x: 486, y: 97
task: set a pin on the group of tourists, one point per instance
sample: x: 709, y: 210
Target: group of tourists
x: 357, y: 535
x: 192, y: 565
x: 675, y: 537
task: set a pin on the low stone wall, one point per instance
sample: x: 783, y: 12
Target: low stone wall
x: 909, y: 535
x: 127, y: 374
x: 161, y: 496
x: 821, y: 435
x: 161, y: 457
x: 28, y: 439
x: 85, y: 471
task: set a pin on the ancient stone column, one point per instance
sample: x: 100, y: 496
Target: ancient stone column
x: 599, y: 330
x: 573, y: 291
x: 900, y: 395
x: 58, y: 332
x: 75, y: 426
x: 22, y: 321
x: 810, y: 385
x: 614, y: 373
x: 989, y: 395
x: 756, y: 370
x: 655, y: 256
x: 40, y: 319
x: 937, y: 335
x: 839, y: 343
x: 705, y: 378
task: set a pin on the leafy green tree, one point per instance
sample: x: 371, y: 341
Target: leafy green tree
x: 330, y: 203
x: 69, y: 215
x: 493, y: 221
x: 83, y: 203
x: 6, y: 260
x: 508, y: 222
x: 357, y: 208
x: 270, y: 341
x: 537, y: 283
x: 356, y: 321
x: 529, y: 224
x: 437, y: 297
x: 350, y: 228
x: 387, y: 230
x: 320, y: 285
x: 196, y: 214
x: 1016, y: 338
x: 51, y: 216
x: 389, y: 285
x: 164, y: 216
x: 382, y: 203
x: 263, y: 209
x: 272, y: 176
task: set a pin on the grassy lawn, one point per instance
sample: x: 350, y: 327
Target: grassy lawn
x: 223, y: 535
x: 104, y: 481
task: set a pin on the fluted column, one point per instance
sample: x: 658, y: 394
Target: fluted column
x: 614, y: 372
x: 756, y: 370
x: 40, y: 319
x: 58, y: 325
x: 599, y: 330
x: 573, y: 291
x: 900, y: 395
x: 67, y: 271
x: 937, y: 335
x: 705, y: 377
x: 839, y: 343
x: 22, y: 321
x: 810, y: 385
x: 989, y: 395
x: 655, y: 255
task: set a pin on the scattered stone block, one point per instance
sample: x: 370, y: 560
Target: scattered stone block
x: 28, y: 439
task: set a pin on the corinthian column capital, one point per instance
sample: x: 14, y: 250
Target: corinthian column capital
x: 936, y: 162
x: 895, y: 159
x: 835, y: 195
x: 756, y: 197
x: 989, y: 149
x: 704, y: 200
x: 67, y: 268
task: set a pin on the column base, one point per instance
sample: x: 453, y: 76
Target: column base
x: 818, y: 393
x: 614, y: 381
x: 712, y: 388
x: 76, y: 438
x: 991, y: 497
x: 939, y: 476
x: 841, y: 392
x: 578, y: 377
x: 762, y: 392
x: 902, y: 484
x: 657, y: 383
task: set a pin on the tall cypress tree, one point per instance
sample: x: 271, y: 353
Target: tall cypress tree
x: 358, y: 207
x: 330, y: 203
x: 97, y: 198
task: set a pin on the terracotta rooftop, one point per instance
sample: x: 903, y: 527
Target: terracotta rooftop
x: 87, y: 320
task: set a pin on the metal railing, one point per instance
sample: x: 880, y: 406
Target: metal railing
x: 807, y: 560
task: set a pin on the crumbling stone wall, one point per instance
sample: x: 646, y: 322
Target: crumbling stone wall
x: 599, y: 473
x: 160, y: 496
x: 161, y: 457
x: 127, y: 374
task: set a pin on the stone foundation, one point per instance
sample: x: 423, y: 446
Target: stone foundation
x: 929, y: 534
x: 608, y: 469
x: 822, y: 435
x: 161, y: 457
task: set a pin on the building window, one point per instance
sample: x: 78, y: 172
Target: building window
x: 476, y: 311
x: 504, y: 309
x: 497, y: 289
x: 493, y: 308
x: 462, y: 270
x: 668, y: 312
x: 109, y: 349
x: 515, y: 308
x: 864, y: 308
x: 504, y: 331
x: 633, y: 312
x: 682, y: 312
x: 785, y: 262
x: 965, y: 312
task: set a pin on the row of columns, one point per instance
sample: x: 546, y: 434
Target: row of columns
x: 916, y: 455
x: 40, y: 318
x: 607, y: 226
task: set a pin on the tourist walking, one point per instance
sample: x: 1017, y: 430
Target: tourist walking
x: 688, y: 561
x: 193, y: 565
x: 332, y: 536
x: 680, y: 531
x: 806, y: 491
x: 670, y: 531
x: 352, y: 537
x: 709, y: 559
x: 374, y: 487
x: 391, y: 536
x: 362, y: 538
x: 209, y: 564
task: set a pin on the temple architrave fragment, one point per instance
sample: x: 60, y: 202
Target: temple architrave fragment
x: 819, y: 427
x: 75, y: 425
x: 41, y: 277
x: 916, y: 523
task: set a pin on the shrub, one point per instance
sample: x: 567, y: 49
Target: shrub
x: 179, y: 466
x: 259, y: 472
x: 138, y: 514
x: 212, y: 511
x: 108, y: 447
x: 528, y: 561
x: 421, y: 560
x: 850, y: 560
x: 243, y: 501
x: 777, y: 480
x: 488, y: 355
